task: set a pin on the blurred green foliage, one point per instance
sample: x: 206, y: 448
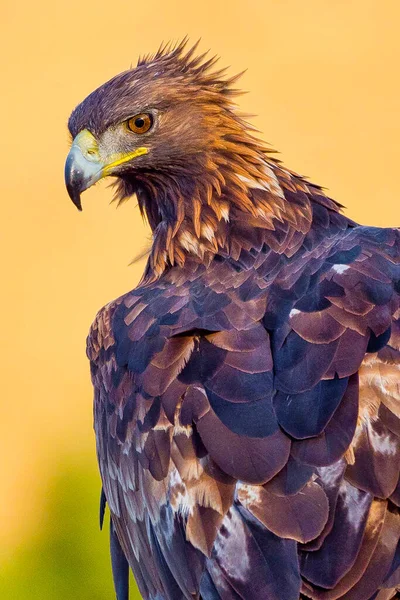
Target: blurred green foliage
x: 68, y: 559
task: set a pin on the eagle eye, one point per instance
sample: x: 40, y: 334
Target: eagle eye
x: 140, y: 123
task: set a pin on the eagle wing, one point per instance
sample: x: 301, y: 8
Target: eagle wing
x: 247, y: 423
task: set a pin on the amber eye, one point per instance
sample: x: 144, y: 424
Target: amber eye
x: 140, y: 123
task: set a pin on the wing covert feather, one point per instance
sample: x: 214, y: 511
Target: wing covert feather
x: 262, y: 392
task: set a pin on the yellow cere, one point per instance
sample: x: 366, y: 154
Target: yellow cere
x: 87, y: 144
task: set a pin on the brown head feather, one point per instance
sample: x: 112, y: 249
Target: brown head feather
x: 206, y: 178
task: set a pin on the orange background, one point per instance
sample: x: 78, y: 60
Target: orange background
x: 324, y: 80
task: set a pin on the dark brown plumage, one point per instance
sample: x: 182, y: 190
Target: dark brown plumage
x: 247, y: 403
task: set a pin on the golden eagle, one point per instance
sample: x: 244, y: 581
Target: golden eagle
x: 247, y: 392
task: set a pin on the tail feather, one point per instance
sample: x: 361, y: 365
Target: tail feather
x: 120, y: 566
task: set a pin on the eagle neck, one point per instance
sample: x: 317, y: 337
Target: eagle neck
x: 224, y: 212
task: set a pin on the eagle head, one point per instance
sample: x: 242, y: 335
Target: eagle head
x: 158, y: 128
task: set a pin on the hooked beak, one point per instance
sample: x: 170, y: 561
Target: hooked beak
x: 83, y: 166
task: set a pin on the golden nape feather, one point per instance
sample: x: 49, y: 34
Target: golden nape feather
x: 247, y: 399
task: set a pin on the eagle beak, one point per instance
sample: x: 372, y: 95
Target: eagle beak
x: 83, y: 166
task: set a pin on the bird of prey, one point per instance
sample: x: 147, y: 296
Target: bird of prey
x: 246, y: 392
